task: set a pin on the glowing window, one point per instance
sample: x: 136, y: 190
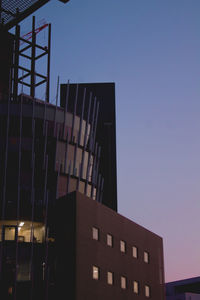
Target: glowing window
x: 147, y: 291
x: 95, y: 233
x: 135, y: 251
x: 136, y: 287
x: 110, y: 278
x: 123, y: 282
x: 146, y: 257
x: 122, y: 246
x: 95, y: 273
x: 109, y: 240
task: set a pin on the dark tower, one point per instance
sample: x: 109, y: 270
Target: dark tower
x: 105, y: 132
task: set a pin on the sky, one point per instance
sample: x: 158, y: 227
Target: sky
x: 151, y: 50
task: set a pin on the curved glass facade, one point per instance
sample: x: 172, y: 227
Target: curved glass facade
x: 49, y: 151
x: 46, y: 152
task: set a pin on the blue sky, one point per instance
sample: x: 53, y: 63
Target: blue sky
x: 151, y: 50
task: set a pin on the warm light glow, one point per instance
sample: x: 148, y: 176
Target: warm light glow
x: 95, y: 273
x: 21, y: 224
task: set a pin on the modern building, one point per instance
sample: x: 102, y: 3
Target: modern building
x: 186, y: 289
x: 114, y: 258
x: 105, y: 131
x: 45, y: 153
x: 47, y: 230
x: 60, y: 233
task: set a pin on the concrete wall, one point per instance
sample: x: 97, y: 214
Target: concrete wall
x: 91, y: 252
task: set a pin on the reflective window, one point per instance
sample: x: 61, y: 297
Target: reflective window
x: 82, y: 133
x: 135, y: 251
x: 95, y: 273
x: 146, y: 257
x: 77, y: 167
x: 110, y: 278
x: 109, y: 240
x: 147, y: 291
x: 88, y: 191
x: 90, y: 168
x: 123, y: 282
x: 136, y: 287
x: 60, y: 155
x: 94, y: 194
x: 81, y: 187
x: 122, y: 246
x: 85, y: 163
x: 69, y: 117
x: 95, y: 233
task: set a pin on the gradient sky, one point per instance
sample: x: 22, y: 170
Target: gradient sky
x: 151, y: 50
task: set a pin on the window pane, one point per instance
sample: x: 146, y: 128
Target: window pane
x: 10, y: 233
x: 95, y: 233
x: 110, y: 278
x: 95, y: 272
x: 146, y: 257
x: 122, y: 246
x: 135, y: 287
x: 123, y: 282
x: 147, y: 291
x: 135, y: 252
x: 109, y: 240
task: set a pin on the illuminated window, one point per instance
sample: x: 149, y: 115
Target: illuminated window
x: 123, y: 282
x: 10, y: 233
x: 146, y: 257
x: 136, y: 287
x: 95, y: 273
x: 147, y: 291
x: 110, y: 278
x: 135, y: 251
x: 122, y: 246
x: 95, y: 233
x: 109, y: 240
x: 22, y: 231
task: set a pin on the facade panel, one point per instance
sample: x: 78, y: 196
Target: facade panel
x: 130, y: 276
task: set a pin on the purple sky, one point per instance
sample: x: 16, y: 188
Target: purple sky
x: 151, y: 50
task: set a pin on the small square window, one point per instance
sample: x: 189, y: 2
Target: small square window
x: 123, y: 282
x: 95, y: 233
x: 122, y: 246
x: 147, y: 291
x: 136, y: 287
x: 110, y: 278
x: 146, y: 257
x: 135, y: 251
x: 95, y: 273
x: 109, y: 240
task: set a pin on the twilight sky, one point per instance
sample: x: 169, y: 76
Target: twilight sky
x: 151, y: 50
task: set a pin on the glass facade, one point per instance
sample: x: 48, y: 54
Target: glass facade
x: 45, y: 153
